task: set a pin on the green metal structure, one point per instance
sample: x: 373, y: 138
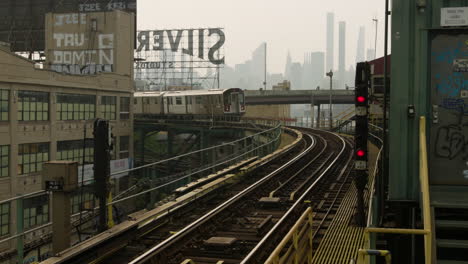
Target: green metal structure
x: 415, y: 23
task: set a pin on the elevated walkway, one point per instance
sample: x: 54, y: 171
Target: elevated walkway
x: 342, y: 240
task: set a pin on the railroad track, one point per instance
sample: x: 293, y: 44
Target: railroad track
x: 244, y: 228
x: 162, y: 227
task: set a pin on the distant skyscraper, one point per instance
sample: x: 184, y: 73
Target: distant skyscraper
x: 296, y: 76
x: 330, y: 40
x: 370, y: 54
x: 287, y: 69
x: 360, y: 45
x: 342, y: 54
x: 257, y: 70
x: 317, y: 61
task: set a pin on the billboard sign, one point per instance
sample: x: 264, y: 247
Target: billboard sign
x: 161, y: 40
x: 179, y: 57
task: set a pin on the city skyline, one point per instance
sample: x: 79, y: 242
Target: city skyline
x: 306, y: 74
x: 299, y: 28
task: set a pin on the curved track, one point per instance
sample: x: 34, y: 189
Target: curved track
x: 236, y: 231
x: 162, y: 227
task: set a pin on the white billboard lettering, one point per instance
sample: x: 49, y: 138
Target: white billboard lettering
x: 106, y: 41
x: 69, y: 39
x: 70, y: 19
x: 106, y: 57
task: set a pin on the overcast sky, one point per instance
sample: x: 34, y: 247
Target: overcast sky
x: 295, y: 25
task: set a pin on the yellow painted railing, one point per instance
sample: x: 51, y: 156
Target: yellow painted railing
x: 298, y: 242
x: 425, y: 201
x: 382, y: 253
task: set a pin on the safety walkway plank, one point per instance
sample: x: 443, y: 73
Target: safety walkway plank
x: 342, y: 239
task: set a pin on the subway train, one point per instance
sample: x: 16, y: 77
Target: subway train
x: 213, y: 103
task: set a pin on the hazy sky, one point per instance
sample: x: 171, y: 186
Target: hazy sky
x: 294, y: 25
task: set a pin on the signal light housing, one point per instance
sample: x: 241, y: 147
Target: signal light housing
x: 361, y: 100
x: 360, y: 153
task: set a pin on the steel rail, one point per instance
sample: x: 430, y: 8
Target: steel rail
x: 152, y: 219
x: 174, y: 238
x: 343, y: 171
x: 299, y: 201
x: 296, y: 174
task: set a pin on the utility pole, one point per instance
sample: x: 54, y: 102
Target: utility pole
x: 330, y: 74
x: 265, y: 77
x: 102, y: 148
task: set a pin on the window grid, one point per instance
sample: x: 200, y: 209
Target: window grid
x: 73, y: 150
x: 4, y: 219
x: 88, y: 201
x: 36, y: 211
x: 124, y: 147
x: 4, y: 160
x: 76, y: 107
x: 108, y: 107
x: 33, y: 106
x: 124, y: 107
x: 31, y: 157
x: 4, y: 105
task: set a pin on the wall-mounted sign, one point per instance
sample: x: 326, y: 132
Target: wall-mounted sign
x: 22, y: 21
x: 115, y: 166
x: 85, y: 43
x: 454, y: 16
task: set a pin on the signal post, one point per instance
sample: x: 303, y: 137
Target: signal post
x: 361, y: 135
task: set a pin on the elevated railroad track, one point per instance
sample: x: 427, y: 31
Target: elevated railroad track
x: 242, y: 221
x: 244, y: 228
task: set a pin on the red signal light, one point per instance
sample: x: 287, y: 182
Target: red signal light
x: 361, y: 99
x: 360, y: 153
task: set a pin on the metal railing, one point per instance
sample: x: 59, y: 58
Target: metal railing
x: 425, y: 204
x: 298, y: 242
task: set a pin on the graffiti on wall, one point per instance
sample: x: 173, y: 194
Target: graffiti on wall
x: 83, y: 52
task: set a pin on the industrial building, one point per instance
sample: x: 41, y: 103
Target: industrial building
x: 45, y: 114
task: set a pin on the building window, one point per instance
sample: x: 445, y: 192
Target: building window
x: 124, y: 107
x: 4, y: 160
x: 36, y: 211
x: 31, y: 157
x: 108, y: 107
x: 33, y: 106
x: 76, y: 107
x: 4, y: 219
x: 73, y: 150
x: 4, y: 105
x: 88, y: 201
x: 124, y: 147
